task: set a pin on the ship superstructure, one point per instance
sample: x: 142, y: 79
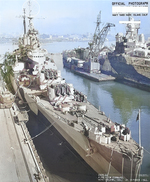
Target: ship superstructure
x: 129, y: 62
x: 31, y: 58
x: 106, y: 146
x: 131, y: 41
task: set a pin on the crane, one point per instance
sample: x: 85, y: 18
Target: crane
x: 99, y: 36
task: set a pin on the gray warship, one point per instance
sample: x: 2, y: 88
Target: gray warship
x: 105, y: 145
x: 128, y: 62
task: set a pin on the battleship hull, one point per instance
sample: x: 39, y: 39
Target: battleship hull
x: 127, y: 70
x: 103, y: 160
x: 127, y: 166
x: 76, y: 139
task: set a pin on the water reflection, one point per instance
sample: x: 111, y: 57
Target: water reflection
x: 114, y: 98
x: 121, y: 103
x: 128, y: 100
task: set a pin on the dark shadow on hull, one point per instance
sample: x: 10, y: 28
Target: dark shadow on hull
x: 125, y: 73
x: 58, y: 157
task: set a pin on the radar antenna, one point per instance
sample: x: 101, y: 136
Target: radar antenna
x: 32, y: 9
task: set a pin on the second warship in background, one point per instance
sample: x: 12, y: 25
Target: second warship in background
x: 85, y: 62
x: 129, y: 62
x: 106, y: 146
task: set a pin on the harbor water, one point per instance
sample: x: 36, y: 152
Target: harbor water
x: 120, y: 103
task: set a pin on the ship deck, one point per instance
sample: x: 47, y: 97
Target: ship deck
x: 92, y: 118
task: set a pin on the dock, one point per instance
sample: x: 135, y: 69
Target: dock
x: 19, y: 160
x: 99, y: 77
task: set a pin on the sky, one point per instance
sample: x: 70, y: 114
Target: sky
x: 65, y: 16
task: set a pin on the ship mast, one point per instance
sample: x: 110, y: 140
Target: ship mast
x: 30, y: 17
x: 24, y: 21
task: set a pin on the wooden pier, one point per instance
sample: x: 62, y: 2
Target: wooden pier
x: 19, y: 160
